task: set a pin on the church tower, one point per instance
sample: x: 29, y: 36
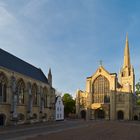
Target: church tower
x: 50, y: 77
x: 127, y: 76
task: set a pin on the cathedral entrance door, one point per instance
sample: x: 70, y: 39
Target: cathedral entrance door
x: 83, y: 114
x: 2, y: 119
x: 99, y: 113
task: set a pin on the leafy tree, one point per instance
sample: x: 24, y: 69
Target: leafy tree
x: 138, y: 88
x: 69, y: 104
x: 138, y: 92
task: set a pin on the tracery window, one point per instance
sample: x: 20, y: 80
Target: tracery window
x: 45, y: 92
x: 3, y: 88
x: 21, y: 90
x: 101, y: 90
x: 34, y: 94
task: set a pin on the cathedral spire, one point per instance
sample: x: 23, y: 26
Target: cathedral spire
x: 126, y: 54
x: 50, y: 71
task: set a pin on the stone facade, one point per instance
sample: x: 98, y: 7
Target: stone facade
x: 24, y: 99
x: 109, y: 97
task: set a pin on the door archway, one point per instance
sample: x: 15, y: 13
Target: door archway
x: 83, y: 114
x: 2, y: 119
x: 120, y: 115
x: 99, y: 114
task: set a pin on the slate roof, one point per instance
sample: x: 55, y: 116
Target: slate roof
x: 13, y: 63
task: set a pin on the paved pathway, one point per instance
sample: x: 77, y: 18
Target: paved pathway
x: 22, y: 132
x: 74, y: 130
x: 97, y: 130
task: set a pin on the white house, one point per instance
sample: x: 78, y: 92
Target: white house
x: 59, y: 107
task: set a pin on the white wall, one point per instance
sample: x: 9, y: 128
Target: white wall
x: 59, y: 108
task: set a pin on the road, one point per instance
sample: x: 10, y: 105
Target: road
x: 74, y: 130
x: 22, y: 132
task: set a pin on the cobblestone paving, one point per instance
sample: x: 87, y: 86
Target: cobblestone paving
x: 96, y: 130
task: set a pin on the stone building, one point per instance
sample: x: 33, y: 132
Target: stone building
x: 26, y: 94
x: 108, y: 96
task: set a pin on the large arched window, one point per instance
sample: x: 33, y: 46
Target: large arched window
x: 3, y: 88
x: 21, y: 90
x: 29, y: 90
x: 45, y: 93
x: 34, y: 94
x: 101, y: 90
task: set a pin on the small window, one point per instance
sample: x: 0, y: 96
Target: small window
x: 129, y: 72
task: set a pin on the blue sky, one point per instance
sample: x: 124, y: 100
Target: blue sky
x: 71, y: 36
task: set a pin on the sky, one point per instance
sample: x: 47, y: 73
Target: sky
x: 71, y: 36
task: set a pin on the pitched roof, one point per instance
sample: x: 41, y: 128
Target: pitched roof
x: 56, y: 98
x: 13, y: 63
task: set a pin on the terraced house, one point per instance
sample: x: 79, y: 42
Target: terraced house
x: 26, y: 94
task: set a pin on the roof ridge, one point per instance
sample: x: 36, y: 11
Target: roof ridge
x: 20, y: 59
x: 14, y: 63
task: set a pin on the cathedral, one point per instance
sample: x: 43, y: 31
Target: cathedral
x: 26, y: 94
x: 108, y: 96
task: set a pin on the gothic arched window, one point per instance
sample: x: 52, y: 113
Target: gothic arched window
x: 45, y: 93
x: 21, y: 90
x: 34, y: 94
x: 3, y: 88
x: 101, y: 90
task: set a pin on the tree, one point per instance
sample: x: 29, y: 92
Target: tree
x: 138, y: 92
x: 138, y: 88
x: 69, y: 104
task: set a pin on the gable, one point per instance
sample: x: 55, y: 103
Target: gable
x: 100, y: 71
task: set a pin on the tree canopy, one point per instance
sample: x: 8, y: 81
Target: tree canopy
x: 138, y: 88
x: 138, y: 92
x: 69, y: 104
